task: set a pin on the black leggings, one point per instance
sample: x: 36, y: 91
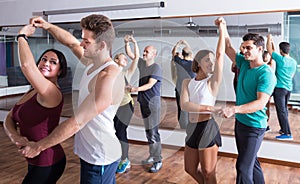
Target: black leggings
x: 121, y: 122
x: 45, y: 175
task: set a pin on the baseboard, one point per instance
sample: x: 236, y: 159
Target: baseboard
x: 226, y: 154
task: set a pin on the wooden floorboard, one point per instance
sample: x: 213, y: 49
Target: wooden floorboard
x: 13, y: 167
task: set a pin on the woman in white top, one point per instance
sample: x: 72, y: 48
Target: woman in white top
x: 198, y: 97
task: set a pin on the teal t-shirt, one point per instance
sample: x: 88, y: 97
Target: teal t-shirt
x: 285, y: 71
x: 250, y: 81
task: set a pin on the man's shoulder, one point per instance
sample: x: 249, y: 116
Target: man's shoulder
x: 176, y: 57
x: 276, y: 56
x: 156, y: 65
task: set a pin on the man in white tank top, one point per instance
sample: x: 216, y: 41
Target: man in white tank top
x: 95, y: 141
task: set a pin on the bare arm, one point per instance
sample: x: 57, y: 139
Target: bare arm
x: 131, y: 55
x: 144, y: 87
x: 10, y: 128
x: 258, y: 104
x: 229, y: 50
x: 270, y: 44
x: 216, y: 79
x: 48, y: 94
x: 188, y: 106
x: 60, y: 35
x: 135, y: 57
x: 174, y: 50
x: 173, y: 71
x: 95, y: 103
x: 173, y: 66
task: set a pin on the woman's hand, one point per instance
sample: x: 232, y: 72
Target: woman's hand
x: 19, y: 141
x: 28, y: 30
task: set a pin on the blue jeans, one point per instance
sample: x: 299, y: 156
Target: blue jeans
x: 98, y: 174
x: 248, y: 141
x: 281, y: 97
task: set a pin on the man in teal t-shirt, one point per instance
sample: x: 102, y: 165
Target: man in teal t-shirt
x: 253, y: 80
x: 285, y: 71
x: 255, y: 85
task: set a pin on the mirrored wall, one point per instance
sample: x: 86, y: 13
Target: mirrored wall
x: 199, y: 32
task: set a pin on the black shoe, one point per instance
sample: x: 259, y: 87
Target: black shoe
x: 268, y: 129
x: 156, y: 167
x: 149, y: 160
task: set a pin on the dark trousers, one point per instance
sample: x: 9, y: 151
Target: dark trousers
x: 121, y: 122
x: 151, y: 116
x: 248, y: 141
x: 45, y: 175
x: 182, y: 116
x: 281, y: 97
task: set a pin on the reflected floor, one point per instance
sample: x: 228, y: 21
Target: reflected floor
x: 169, y: 116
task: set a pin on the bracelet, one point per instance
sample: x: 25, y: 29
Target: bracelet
x: 22, y: 35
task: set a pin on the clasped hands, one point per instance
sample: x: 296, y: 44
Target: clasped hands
x: 226, y: 112
x: 131, y: 89
x: 28, y: 149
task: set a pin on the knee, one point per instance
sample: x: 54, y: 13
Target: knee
x: 208, y: 173
x: 190, y: 171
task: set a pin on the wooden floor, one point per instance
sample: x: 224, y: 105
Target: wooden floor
x: 13, y: 166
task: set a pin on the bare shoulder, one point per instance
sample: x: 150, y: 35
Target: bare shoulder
x: 185, y: 82
x: 113, y: 69
x: 110, y: 71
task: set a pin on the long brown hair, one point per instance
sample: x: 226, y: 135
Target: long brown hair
x: 197, y: 59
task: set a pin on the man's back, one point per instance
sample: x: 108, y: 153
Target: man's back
x: 285, y: 70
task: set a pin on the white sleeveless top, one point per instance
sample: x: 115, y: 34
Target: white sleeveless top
x: 96, y: 143
x: 199, y: 93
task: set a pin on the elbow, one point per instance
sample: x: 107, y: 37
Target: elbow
x: 77, y: 124
x: 24, y: 66
x: 261, y: 106
x: 104, y: 105
x: 183, y: 106
x: 219, y: 55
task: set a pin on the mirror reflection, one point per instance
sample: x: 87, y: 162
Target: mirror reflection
x: 198, y: 32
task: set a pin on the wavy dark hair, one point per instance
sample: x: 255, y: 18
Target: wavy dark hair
x: 256, y: 38
x: 62, y: 61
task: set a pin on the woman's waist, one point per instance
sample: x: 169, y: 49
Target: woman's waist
x: 48, y: 157
x: 196, y: 117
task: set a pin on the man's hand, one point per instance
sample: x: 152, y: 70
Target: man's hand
x: 134, y: 89
x: 31, y: 150
x: 227, y: 112
x: 39, y: 22
x: 220, y: 21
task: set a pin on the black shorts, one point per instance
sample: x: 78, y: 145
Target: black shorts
x: 203, y: 134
